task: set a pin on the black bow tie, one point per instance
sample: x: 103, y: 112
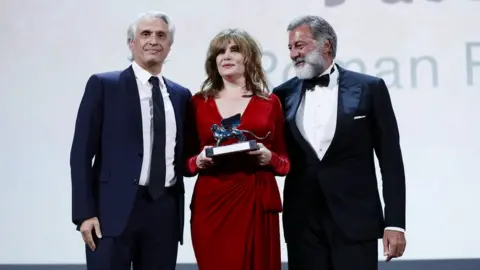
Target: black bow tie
x: 323, y: 80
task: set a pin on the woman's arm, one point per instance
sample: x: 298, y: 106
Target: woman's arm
x: 279, y: 161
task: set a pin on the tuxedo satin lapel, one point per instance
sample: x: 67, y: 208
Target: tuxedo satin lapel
x: 133, y: 99
x: 292, y: 102
x: 175, y: 98
x: 349, y: 95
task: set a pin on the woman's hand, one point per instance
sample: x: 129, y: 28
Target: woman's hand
x: 202, y: 160
x: 263, y: 154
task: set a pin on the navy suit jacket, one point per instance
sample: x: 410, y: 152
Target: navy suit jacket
x: 108, y: 129
x: 366, y: 124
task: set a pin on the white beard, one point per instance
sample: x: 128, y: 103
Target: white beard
x: 313, y: 65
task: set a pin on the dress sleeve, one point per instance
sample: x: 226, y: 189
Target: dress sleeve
x: 192, y: 141
x: 279, y: 161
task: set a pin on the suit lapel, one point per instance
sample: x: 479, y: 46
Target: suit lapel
x: 292, y: 103
x: 349, y: 96
x: 133, y: 101
x: 176, y: 100
x: 349, y: 93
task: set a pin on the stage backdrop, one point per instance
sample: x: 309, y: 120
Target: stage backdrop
x: 428, y: 52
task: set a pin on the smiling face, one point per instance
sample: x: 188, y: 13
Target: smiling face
x: 230, y: 62
x: 151, y: 44
x: 309, y: 57
x: 233, y: 56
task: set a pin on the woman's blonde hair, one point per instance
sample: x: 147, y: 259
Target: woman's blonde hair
x: 255, y: 77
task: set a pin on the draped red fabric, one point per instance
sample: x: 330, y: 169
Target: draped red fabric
x: 236, y: 203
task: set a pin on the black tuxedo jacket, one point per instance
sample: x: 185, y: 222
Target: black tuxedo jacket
x: 366, y: 124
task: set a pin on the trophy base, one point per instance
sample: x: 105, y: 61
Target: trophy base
x: 232, y: 148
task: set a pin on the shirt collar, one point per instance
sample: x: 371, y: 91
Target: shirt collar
x: 327, y: 71
x: 333, y: 75
x: 143, y: 76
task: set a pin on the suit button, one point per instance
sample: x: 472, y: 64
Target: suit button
x: 140, y: 154
x: 135, y: 181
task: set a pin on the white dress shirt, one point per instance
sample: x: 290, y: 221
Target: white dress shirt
x: 317, y: 116
x: 145, y: 92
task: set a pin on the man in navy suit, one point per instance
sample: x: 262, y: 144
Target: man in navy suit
x: 336, y: 120
x: 129, y: 204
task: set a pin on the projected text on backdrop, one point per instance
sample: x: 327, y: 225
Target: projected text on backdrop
x: 389, y: 67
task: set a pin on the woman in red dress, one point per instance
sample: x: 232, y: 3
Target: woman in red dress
x: 236, y: 202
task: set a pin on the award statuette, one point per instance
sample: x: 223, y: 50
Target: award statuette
x: 228, y: 130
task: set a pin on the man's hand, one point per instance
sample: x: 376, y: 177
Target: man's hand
x: 87, y: 228
x: 393, y: 244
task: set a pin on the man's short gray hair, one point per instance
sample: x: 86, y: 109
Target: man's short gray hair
x: 321, y: 30
x: 132, y: 28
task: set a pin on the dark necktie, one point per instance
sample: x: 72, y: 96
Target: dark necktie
x: 156, y: 185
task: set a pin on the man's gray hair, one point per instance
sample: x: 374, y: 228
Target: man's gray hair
x: 321, y: 30
x: 132, y: 28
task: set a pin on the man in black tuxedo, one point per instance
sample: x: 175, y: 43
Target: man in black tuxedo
x: 336, y: 120
x: 129, y: 205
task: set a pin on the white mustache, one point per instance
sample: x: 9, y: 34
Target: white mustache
x: 299, y: 59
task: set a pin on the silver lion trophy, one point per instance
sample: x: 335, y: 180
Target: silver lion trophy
x: 228, y: 129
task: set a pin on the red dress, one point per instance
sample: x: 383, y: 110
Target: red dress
x: 236, y: 203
